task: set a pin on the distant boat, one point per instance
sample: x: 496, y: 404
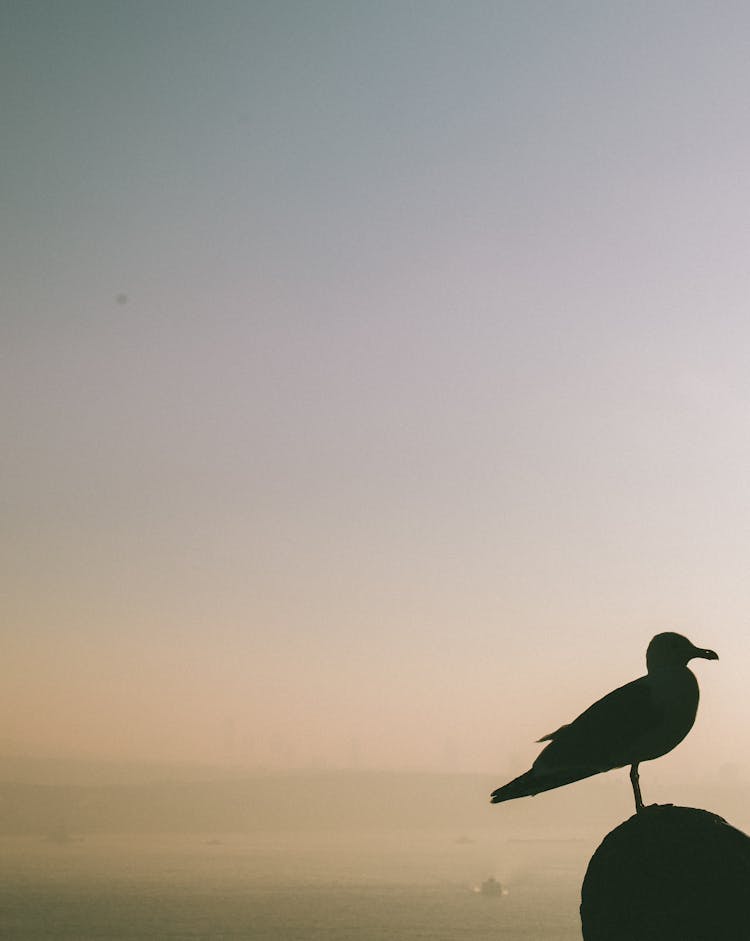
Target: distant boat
x: 61, y: 835
x: 491, y: 887
x: 546, y: 839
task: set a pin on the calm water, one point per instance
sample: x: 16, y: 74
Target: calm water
x: 289, y: 887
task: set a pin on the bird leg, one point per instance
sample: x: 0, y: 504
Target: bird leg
x: 636, y: 787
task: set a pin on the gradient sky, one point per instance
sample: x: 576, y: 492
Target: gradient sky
x: 375, y: 376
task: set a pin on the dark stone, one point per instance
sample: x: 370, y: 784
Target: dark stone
x: 669, y: 874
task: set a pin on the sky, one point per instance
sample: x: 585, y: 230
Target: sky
x: 374, y: 376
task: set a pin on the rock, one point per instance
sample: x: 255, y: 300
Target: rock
x: 669, y: 874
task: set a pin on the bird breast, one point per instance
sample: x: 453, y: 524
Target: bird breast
x: 675, y: 696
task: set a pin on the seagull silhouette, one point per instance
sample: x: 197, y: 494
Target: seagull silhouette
x: 638, y: 722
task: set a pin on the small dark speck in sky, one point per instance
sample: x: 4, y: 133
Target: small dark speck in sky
x: 122, y: 298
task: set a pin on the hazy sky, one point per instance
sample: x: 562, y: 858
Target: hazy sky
x: 375, y: 376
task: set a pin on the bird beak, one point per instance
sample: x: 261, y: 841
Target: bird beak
x: 706, y: 654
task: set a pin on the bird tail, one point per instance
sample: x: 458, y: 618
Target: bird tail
x: 534, y: 782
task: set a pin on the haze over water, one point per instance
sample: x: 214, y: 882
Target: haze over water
x: 375, y: 384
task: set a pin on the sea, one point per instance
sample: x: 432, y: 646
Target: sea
x: 400, y: 885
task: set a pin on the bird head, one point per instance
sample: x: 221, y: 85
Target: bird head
x: 674, y: 650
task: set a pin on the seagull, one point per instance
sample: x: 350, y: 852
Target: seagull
x: 638, y: 722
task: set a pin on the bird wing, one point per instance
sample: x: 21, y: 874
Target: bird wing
x: 605, y: 735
